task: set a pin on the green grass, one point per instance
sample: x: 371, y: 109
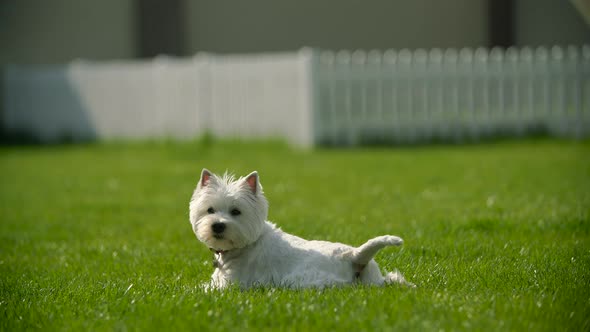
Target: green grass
x: 497, y: 236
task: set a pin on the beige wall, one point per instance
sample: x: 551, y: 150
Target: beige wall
x: 271, y: 25
x: 56, y: 31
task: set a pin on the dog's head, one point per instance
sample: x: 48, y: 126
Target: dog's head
x: 226, y: 213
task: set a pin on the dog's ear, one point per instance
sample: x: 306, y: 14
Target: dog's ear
x: 205, y: 178
x: 252, y: 182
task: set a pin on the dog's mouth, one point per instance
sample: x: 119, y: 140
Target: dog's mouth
x: 218, y: 236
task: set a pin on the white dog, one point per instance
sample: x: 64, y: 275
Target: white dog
x: 230, y: 218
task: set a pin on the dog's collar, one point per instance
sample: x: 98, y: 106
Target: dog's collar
x: 218, y: 251
x: 217, y: 254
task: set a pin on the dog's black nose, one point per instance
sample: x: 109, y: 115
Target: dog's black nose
x: 218, y: 227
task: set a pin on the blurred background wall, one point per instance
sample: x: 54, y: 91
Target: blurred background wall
x: 267, y: 25
x: 57, y: 31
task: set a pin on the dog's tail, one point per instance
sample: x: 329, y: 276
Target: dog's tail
x: 363, y: 254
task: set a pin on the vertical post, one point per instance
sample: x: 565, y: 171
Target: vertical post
x: 482, y: 102
x: 585, y: 88
x: 559, y: 116
x: 404, y: 86
x: 309, y: 108
x: 343, y: 61
x: 358, y: 71
x: 435, y: 74
x: 467, y: 109
x: 419, y: 63
x: 527, y: 79
x: 451, y: 62
x: 543, y: 75
x: 501, y: 23
x: 574, y: 69
x: 390, y: 64
x: 160, y: 26
x: 513, y: 73
x: 327, y: 124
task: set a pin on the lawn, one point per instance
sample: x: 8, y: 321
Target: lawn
x: 497, y: 236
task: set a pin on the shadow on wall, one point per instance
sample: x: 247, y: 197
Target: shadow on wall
x: 32, y: 97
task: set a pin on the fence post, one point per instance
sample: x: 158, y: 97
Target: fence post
x: 573, y: 72
x: 585, y: 88
x: 434, y: 74
x: 389, y: 66
x: 452, y: 99
x: 481, y: 101
x: 467, y: 105
x: 558, y: 111
x: 419, y: 94
x: 541, y: 104
x: 310, y: 127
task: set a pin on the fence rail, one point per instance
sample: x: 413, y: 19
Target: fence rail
x: 309, y: 97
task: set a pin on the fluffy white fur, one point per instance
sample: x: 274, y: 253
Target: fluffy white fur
x: 229, y: 216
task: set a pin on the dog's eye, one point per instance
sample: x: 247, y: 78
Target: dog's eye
x: 210, y: 210
x: 235, y: 212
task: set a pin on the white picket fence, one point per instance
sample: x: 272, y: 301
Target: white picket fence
x: 227, y: 96
x: 308, y: 97
x: 452, y: 95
